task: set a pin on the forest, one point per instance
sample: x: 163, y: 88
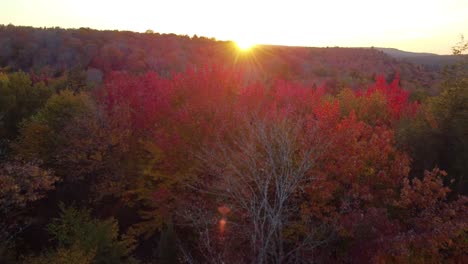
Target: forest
x: 123, y: 147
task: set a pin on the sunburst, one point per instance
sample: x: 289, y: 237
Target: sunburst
x: 244, y: 45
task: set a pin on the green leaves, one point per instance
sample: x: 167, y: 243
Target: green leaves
x: 41, y: 136
x: 83, y: 239
x: 19, y: 99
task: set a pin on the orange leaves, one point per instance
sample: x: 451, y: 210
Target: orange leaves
x: 22, y: 183
x: 420, y: 194
x: 362, y: 160
x: 432, y: 228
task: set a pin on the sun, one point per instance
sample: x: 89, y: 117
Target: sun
x: 244, y: 45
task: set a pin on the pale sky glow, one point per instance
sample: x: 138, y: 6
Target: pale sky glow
x: 413, y: 25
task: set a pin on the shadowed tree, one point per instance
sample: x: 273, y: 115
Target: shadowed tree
x: 260, y: 173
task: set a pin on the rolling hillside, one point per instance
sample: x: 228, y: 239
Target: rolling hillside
x: 52, y: 52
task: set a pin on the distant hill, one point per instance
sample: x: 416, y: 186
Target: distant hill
x: 429, y: 60
x: 399, y: 54
x: 54, y: 52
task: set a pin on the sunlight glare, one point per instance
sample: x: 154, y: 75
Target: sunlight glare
x: 244, y: 45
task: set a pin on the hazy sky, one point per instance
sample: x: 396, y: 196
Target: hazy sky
x: 413, y: 25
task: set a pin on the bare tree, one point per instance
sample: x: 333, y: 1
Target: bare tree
x: 261, y: 172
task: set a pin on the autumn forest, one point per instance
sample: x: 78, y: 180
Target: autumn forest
x: 124, y: 147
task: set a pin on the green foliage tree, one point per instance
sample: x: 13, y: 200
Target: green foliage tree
x: 82, y: 239
x: 438, y: 136
x: 19, y: 99
x: 450, y: 111
x: 72, y: 255
x: 69, y: 137
x: 41, y: 136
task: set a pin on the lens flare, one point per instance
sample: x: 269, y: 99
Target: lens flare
x: 244, y: 45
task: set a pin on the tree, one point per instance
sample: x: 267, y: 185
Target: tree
x: 433, y: 229
x: 260, y: 174
x: 41, y: 135
x: 301, y: 172
x: 82, y: 239
x: 21, y: 184
x: 438, y: 135
x: 19, y: 99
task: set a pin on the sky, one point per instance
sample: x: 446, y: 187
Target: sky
x: 413, y: 25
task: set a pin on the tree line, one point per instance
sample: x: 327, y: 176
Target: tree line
x: 209, y: 165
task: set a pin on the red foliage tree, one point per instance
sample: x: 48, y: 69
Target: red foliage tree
x: 356, y: 191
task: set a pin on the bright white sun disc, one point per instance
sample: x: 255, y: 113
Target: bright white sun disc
x: 244, y: 45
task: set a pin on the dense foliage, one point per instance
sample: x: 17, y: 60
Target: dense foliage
x: 82, y: 56
x: 222, y: 164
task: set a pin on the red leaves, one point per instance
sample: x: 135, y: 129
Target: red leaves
x: 396, y: 98
x: 189, y: 110
x: 359, y: 187
x: 141, y: 100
